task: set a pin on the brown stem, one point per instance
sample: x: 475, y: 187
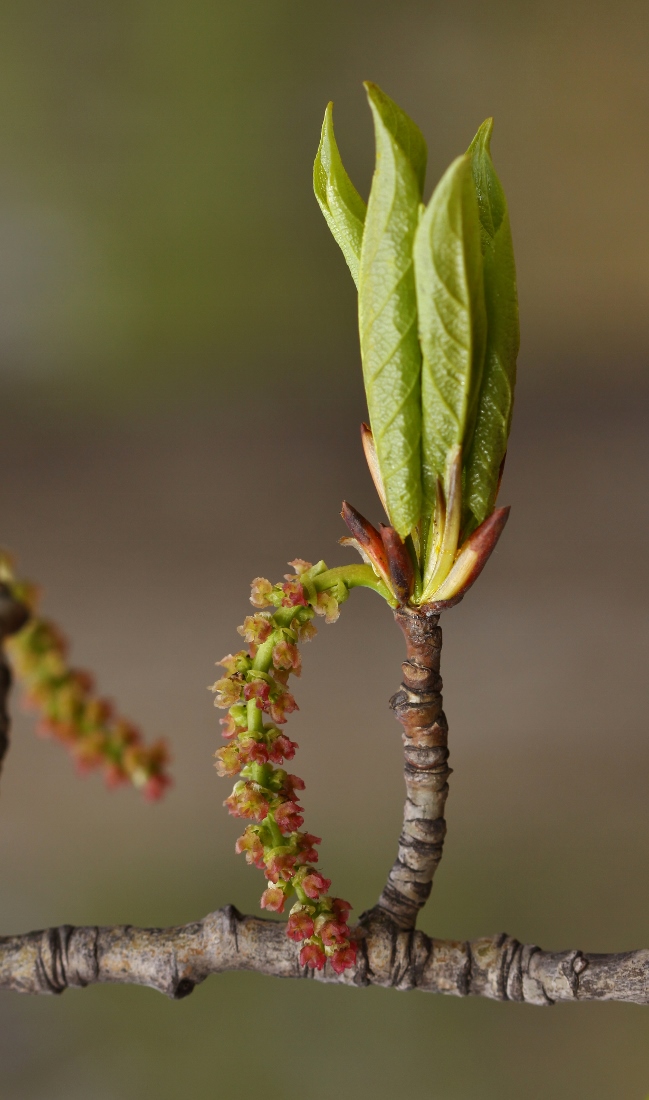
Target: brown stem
x: 13, y: 616
x: 174, y: 960
x: 418, y: 706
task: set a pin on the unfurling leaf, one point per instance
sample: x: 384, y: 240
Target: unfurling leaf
x: 388, y: 307
x: 340, y: 202
x: 438, y: 320
x: 493, y: 419
x: 452, y: 320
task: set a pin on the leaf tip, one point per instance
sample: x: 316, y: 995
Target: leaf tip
x: 322, y: 165
x: 482, y: 139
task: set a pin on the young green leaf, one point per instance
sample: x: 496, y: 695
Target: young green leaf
x: 388, y: 308
x: 340, y: 202
x: 452, y: 319
x: 496, y: 398
x: 405, y: 132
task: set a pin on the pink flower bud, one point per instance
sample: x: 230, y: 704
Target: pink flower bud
x: 300, y: 926
x: 333, y: 933
x: 300, y: 566
x: 307, y: 852
x: 85, y: 765
x: 256, y: 628
x: 227, y: 760
x: 259, y: 690
x: 291, y: 784
x: 282, y: 748
x: 293, y: 594
x: 228, y: 663
x: 344, y: 958
x: 315, y: 884
x: 312, y: 956
x: 306, y: 840
x: 327, y: 605
x: 280, y: 867
x: 253, y: 752
x: 259, y: 590
x: 230, y: 728
x: 341, y: 909
x: 83, y: 680
x: 235, y: 662
x: 251, y: 845
x: 247, y: 801
x: 155, y: 787
x: 227, y: 692
x: 287, y: 656
x: 114, y: 776
x: 98, y: 712
x: 305, y: 631
x: 281, y: 706
x: 289, y: 817
x: 273, y: 898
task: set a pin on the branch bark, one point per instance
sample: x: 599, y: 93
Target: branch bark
x: 175, y: 960
x: 391, y: 953
x: 418, y: 706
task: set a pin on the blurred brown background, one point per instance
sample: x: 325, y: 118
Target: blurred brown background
x: 180, y: 397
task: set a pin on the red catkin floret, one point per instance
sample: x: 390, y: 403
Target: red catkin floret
x: 294, y: 595
x: 289, y: 817
x: 280, y: 867
x: 312, y: 956
x: 247, y: 801
x: 282, y: 705
x: 273, y: 898
x: 250, y: 844
x: 333, y: 934
x: 315, y: 884
x: 344, y: 959
x: 259, y: 590
x: 300, y: 926
x: 282, y: 748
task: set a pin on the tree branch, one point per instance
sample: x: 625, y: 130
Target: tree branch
x: 418, y: 706
x: 174, y: 960
x: 391, y: 953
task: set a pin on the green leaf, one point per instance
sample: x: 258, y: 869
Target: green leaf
x: 388, y: 308
x: 452, y: 319
x: 495, y: 404
x: 340, y: 202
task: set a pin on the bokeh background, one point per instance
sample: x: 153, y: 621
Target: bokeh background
x: 180, y: 396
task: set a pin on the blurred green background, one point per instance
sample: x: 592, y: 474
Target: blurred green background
x: 180, y: 396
